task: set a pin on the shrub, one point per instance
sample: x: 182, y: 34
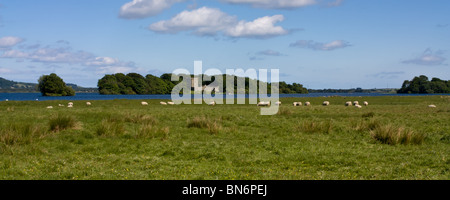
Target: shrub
x: 20, y: 134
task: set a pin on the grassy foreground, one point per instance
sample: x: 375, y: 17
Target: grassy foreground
x: 392, y: 138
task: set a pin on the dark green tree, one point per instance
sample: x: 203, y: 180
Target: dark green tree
x: 53, y: 85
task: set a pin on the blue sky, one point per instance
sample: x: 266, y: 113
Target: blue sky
x: 318, y: 43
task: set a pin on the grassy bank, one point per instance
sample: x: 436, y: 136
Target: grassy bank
x: 392, y: 138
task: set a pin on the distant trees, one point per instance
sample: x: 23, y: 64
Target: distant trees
x: 133, y: 83
x: 421, y: 85
x: 53, y: 85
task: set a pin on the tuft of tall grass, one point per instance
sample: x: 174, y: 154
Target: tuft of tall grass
x: 284, y: 111
x: 62, y: 122
x: 201, y: 122
x: 390, y: 134
x: 20, y: 134
x: 140, y: 119
x: 368, y: 115
x: 110, y: 128
x: 315, y: 126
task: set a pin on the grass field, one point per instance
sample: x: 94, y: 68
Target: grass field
x: 392, y: 138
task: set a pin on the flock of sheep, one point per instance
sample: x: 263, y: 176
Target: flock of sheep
x: 262, y: 103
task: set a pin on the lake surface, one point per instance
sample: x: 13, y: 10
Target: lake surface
x: 96, y: 96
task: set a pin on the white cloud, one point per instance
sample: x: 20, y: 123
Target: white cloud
x: 428, y: 57
x: 50, y: 56
x: 309, y: 44
x: 9, y: 41
x: 203, y: 20
x: 144, y: 8
x: 211, y: 21
x: 270, y: 53
x: 274, y: 4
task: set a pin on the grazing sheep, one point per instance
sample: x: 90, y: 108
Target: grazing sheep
x: 307, y: 103
x: 49, y: 107
x: 431, y: 106
x: 348, y: 103
x: 170, y: 103
x: 355, y: 103
x: 163, y: 103
x: 70, y: 105
x: 212, y: 103
x: 297, y: 103
x: 263, y: 103
x: 144, y: 103
x: 326, y: 103
x: 88, y: 103
x: 358, y: 106
x: 366, y: 103
x: 278, y: 103
x: 6, y: 100
x: 60, y: 105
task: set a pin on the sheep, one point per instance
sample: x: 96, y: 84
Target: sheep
x: 60, y: 105
x: 144, y: 103
x: 297, y: 103
x: 163, y: 103
x: 212, y: 103
x: 348, y: 103
x: 278, y: 103
x: 355, y: 103
x: 431, y: 106
x: 326, y: 103
x: 263, y: 103
x: 49, y: 107
x: 307, y: 103
x: 70, y: 105
x: 170, y: 103
x: 88, y: 103
x: 366, y: 103
x: 358, y: 106
x: 6, y: 100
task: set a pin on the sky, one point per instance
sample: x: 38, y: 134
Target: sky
x: 318, y: 43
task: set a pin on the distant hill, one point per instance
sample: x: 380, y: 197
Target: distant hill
x: 7, y: 86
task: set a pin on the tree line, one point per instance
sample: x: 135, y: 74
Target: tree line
x: 421, y: 85
x: 134, y: 83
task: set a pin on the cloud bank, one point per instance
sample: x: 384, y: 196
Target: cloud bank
x: 210, y: 21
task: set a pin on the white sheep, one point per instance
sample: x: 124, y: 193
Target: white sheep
x: 144, y: 103
x: 170, y: 103
x: 49, y: 107
x: 70, y: 105
x: 366, y: 103
x: 358, y: 106
x: 263, y: 103
x: 88, y: 103
x: 6, y: 100
x: 212, y: 103
x: 307, y: 103
x: 431, y: 106
x: 60, y: 105
x: 297, y: 103
x: 326, y: 103
x: 355, y: 103
x: 348, y: 103
x: 278, y: 103
x: 163, y: 103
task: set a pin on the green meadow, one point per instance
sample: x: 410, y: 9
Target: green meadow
x: 393, y: 138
